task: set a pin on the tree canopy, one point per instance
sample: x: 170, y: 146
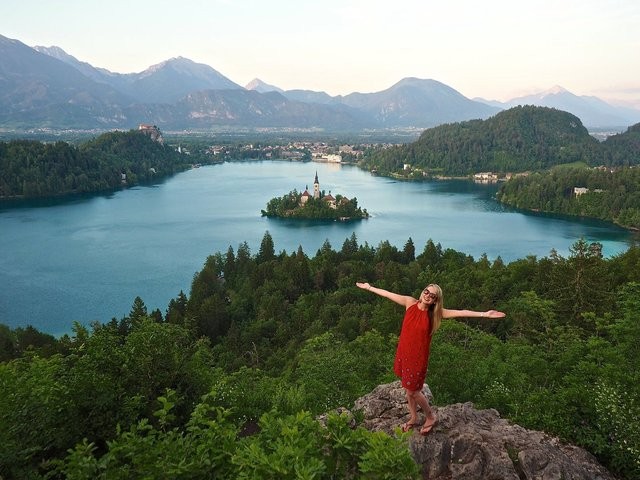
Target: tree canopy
x: 603, y: 193
x: 33, y: 169
x: 292, y: 206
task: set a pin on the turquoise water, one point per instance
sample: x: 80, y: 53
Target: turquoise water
x: 87, y: 259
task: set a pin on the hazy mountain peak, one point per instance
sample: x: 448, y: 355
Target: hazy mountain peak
x: 592, y: 111
x: 426, y: 85
x: 191, y: 76
x: 415, y: 102
x: 9, y: 41
x: 55, y: 52
x: 176, y: 63
x: 417, y: 81
x: 556, y: 89
x: 95, y: 73
x: 254, y: 84
x: 262, y: 87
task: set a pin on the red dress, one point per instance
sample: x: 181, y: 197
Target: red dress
x: 412, y: 355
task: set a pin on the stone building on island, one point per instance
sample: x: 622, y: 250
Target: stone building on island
x: 304, y: 198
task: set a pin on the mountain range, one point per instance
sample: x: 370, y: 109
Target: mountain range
x: 592, y: 111
x: 45, y: 87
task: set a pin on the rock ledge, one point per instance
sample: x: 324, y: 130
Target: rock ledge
x: 477, y: 444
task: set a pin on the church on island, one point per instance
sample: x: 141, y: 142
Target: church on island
x: 331, y: 201
x: 316, y: 206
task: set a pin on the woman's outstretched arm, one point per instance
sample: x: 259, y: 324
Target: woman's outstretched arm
x: 448, y: 313
x: 405, y: 300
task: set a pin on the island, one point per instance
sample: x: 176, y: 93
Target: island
x: 316, y: 206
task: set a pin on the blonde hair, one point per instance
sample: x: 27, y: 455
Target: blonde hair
x: 435, y: 311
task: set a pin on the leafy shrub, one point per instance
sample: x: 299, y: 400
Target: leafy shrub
x: 294, y: 447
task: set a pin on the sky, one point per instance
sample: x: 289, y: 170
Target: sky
x: 496, y: 50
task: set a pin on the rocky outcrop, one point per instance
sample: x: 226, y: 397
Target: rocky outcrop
x: 477, y: 444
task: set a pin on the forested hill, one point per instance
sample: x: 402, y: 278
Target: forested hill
x: 34, y: 169
x: 612, y: 195
x: 515, y: 140
x: 623, y: 150
x: 609, y: 193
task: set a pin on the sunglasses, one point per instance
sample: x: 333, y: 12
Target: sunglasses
x: 430, y: 294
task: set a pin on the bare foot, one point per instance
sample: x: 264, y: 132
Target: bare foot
x: 428, y: 425
x: 406, y: 426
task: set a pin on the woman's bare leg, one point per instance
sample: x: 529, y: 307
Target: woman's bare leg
x: 413, y: 407
x: 417, y: 398
x: 413, y: 411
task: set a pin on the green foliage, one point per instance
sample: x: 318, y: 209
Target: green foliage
x: 246, y: 394
x: 105, y: 381
x: 464, y: 350
x: 291, y: 206
x: 203, y: 449
x: 35, y: 169
x: 334, y: 373
x: 297, y: 447
x: 613, y: 195
x: 267, y: 250
x: 36, y: 413
x: 623, y: 149
x: 26, y: 340
x: 618, y: 414
x: 530, y: 317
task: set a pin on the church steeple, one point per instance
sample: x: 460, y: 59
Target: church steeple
x: 316, y: 187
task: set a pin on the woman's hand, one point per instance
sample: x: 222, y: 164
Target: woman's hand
x: 494, y: 314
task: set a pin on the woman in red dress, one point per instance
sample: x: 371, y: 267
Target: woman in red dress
x: 421, y: 320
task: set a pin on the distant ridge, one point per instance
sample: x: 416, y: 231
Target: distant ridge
x: 47, y: 87
x: 39, y: 90
x: 419, y: 103
x: 592, y: 111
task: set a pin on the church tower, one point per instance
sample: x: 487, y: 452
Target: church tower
x: 316, y: 187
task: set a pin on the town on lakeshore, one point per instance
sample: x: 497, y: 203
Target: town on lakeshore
x: 341, y: 154
x: 317, y: 206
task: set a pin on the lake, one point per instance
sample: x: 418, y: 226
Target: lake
x: 87, y: 258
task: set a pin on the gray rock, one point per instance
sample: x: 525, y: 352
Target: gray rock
x: 477, y: 444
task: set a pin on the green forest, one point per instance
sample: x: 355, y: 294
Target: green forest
x: 290, y: 206
x: 611, y: 195
x: 32, y: 169
x: 228, y: 380
x: 525, y: 138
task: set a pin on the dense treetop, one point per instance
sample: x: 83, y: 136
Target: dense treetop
x: 291, y: 206
x: 610, y: 195
x: 110, y: 161
x: 623, y: 149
